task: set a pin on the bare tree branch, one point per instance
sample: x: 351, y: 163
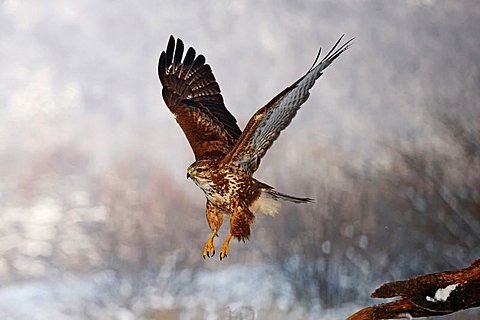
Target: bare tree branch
x: 428, y: 295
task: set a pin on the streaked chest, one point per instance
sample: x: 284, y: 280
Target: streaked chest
x: 223, y: 189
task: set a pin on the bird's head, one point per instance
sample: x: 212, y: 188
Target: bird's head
x: 199, y: 171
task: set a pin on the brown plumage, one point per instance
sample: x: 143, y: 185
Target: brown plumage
x: 226, y: 157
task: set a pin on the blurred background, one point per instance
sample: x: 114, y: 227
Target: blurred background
x: 97, y: 220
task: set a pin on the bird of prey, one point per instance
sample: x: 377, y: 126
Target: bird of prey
x: 225, y: 156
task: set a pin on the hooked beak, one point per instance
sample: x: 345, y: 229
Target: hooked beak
x: 189, y: 173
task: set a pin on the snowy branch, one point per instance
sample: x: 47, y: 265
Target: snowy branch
x: 434, y: 294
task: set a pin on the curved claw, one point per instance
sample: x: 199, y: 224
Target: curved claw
x: 209, y: 249
x: 208, y: 253
x: 224, y: 252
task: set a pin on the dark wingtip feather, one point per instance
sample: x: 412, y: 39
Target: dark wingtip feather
x: 161, y: 66
x: 316, y: 59
x: 189, y: 57
x: 200, y: 60
x: 178, y: 52
x: 335, y: 52
x: 170, y: 49
x: 334, y: 47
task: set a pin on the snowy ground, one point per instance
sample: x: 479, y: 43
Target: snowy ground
x: 237, y: 292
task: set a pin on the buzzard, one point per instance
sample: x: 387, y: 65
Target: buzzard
x: 226, y: 157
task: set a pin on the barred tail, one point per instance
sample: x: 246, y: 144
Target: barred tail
x: 286, y: 197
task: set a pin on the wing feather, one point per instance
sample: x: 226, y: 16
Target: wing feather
x: 266, y: 124
x: 193, y: 96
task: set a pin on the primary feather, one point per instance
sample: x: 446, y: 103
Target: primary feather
x: 193, y: 96
x: 265, y: 125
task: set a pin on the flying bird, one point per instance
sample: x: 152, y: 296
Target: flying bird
x: 225, y: 156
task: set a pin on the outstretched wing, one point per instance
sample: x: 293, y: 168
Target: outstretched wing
x: 193, y: 96
x: 267, y: 123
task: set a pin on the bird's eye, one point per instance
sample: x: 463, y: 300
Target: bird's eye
x: 200, y: 170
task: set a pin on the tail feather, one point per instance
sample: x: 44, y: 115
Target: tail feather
x: 286, y: 197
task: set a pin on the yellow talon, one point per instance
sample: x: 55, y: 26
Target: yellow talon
x: 209, y: 249
x: 224, y: 252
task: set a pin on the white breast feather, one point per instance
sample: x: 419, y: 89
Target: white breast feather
x: 265, y: 204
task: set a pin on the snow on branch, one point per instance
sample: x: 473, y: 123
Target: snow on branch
x: 434, y: 294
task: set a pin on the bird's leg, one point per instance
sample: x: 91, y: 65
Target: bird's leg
x: 224, y: 252
x: 215, y: 220
x: 209, y: 249
x: 240, y: 221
